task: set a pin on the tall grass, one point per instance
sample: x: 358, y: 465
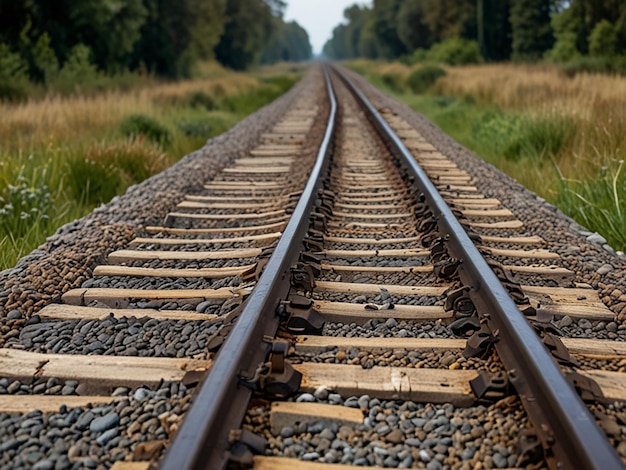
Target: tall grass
x: 562, y: 137
x: 60, y: 156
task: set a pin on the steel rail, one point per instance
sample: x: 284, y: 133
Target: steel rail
x: 202, y: 442
x: 567, y: 429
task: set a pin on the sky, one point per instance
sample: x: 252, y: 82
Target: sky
x: 318, y: 17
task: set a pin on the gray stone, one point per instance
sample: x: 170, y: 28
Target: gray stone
x: 15, y: 315
x: 335, y: 399
x: 391, y: 323
x: 104, y: 423
x: 84, y: 421
x: 596, y: 238
x: 287, y: 432
x: 500, y: 461
x: 105, y: 437
x: 310, y: 456
x: 305, y: 398
x: 363, y: 402
x: 605, y: 269
x: 321, y: 392
x: 45, y: 464
x: 327, y: 434
x: 142, y: 393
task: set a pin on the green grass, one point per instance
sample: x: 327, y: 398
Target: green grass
x: 45, y: 185
x: 533, y: 148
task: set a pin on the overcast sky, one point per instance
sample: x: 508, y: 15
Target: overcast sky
x: 318, y: 17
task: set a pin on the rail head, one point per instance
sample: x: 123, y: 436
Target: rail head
x: 553, y: 406
x: 202, y: 442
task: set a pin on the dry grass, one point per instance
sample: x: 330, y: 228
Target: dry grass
x: 594, y: 103
x: 82, y: 118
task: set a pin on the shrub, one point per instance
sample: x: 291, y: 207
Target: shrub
x: 564, y: 48
x: 201, y: 99
x: 394, y: 81
x: 421, y: 79
x: 13, y: 78
x: 138, y: 125
x: 455, y: 51
x: 614, y: 65
x: 195, y: 128
x: 538, y: 137
x: 603, y: 40
x: 91, y: 182
x: 77, y: 71
x: 134, y: 159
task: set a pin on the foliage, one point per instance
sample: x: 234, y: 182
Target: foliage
x: 60, y: 155
x: 422, y: 78
x: 163, y: 37
x: 21, y: 205
x: 13, y: 78
x: 290, y: 42
x: 531, y: 30
x: 605, y: 65
x: 249, y: 23
x: 603, y: 40
x: 140, y: 125
x: 455, y: 51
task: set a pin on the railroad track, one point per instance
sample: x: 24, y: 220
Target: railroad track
x: 321, y: 303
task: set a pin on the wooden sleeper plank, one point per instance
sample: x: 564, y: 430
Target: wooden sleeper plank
x: 359, y: 288
x: 120, y: 297
x: 49, y: 403
x: 97, y: 372
x: 346, y: 312
x: 75, y: 312
x: 393, y: 383
x: 208, y: 273
x: 124, y: 256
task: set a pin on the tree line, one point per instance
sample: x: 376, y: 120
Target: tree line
x: 498, y: 30
x: 165, y: 37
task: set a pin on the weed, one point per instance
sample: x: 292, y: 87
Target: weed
x: 422, y: 78
x: 137, y: 125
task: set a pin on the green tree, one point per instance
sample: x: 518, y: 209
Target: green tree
x: 385, y: 14
x: 448, y: 19
x: 13, y: 75
x: 413, y: 29
x: 494, y: 29
x: 177, y: 33
x: 44, y: 59
x: 289, y: 43
x: 249, y: 25
x: 531, y: 30
x: 603, y: 40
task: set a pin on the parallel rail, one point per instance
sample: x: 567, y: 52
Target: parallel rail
x: 203, y: 439
x: 567, y: 429
x: 568, y: 432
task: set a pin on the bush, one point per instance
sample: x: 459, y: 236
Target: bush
x: 77, y: 71
x: 13, y: 78
x: 195, y: 128
x: 603, y: 40
x: 455, y: 51
x: 564, y: 48
x: 137, y: 125
x: 92, y: 182
x: 201, y: 99
x: 615, y: 65
x: 421, y: 79
x: 394, y: 81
